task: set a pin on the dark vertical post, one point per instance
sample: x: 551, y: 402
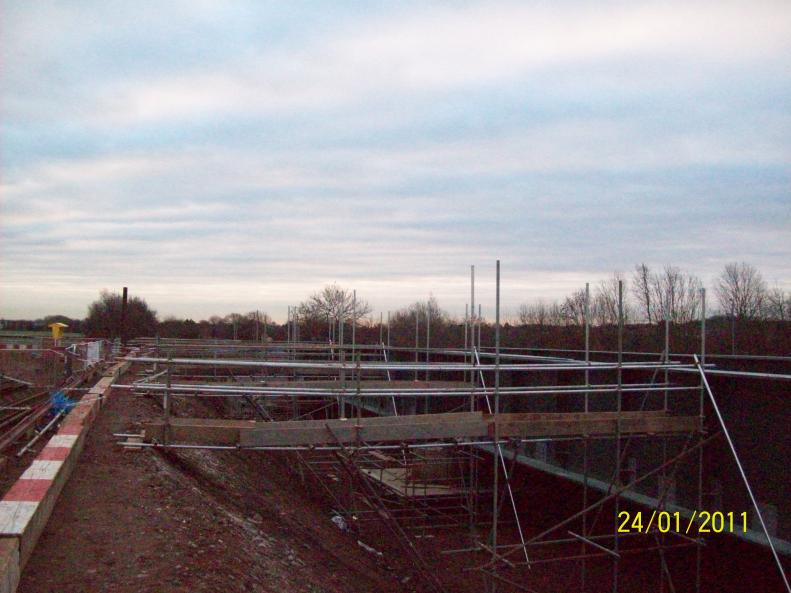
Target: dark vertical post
x: 124, y: 305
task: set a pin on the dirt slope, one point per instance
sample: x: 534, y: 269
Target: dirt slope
x: 147, y: 521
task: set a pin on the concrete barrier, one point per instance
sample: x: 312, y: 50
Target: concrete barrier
x: 9, y: 565
x: 26, y: 507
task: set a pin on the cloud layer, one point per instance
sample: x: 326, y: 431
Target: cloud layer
x: 219, y: 157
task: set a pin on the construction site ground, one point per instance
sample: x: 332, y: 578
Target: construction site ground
x: 233, y: 521
x: 152, y: 521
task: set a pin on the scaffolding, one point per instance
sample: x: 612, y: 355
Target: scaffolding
x: 424, y: 440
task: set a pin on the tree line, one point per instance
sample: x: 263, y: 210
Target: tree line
x: 651, y: 296
x: 740, y: 294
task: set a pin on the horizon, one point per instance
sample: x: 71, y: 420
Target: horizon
x: 509, y: 312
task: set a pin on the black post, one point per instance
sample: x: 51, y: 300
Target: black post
x: 124, y: 302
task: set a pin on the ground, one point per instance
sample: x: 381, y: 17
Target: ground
x: 152, y: 521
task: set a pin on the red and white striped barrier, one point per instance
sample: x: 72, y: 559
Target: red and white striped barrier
x: 26, y: 507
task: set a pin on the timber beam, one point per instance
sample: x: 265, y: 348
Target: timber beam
x: 423, y: 427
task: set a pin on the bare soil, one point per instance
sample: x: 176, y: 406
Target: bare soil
x: 152, y: 521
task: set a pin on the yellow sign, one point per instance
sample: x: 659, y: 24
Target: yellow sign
x: 57, y: 329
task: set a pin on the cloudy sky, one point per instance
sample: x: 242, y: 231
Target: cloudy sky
x: 219, y: 157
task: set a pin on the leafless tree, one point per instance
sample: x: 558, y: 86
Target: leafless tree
x: 681, y: 292
x: 670, y: 293
x: 606, y: 301
x: 642, y: 289
x: 573, y: 308
x: 540, y: 313
x: 741, y: 291
x: 778, y: 304
x: 334, y: 303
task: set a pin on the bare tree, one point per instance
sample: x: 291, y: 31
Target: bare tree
x: 606, y: 301
x: 741, y: 291
x: 533, y: 313
x: 778, y: 304
x: 677, y: 294
x: 334, y: 303
x: 670, y: 293
x: 643, y: 282
x: 541, y: 313
x: 573, y: 308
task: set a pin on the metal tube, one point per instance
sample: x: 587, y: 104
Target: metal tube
x: 586, y: 442
x: 619, y: 403
x: 428, y: 334
x: 472, y: 292
x: 495, y: 465
x: 480, y: 318
x: 274, y: 392
x: 699, y: 551
x: 594, y: 544
x: 466, y: 314
x: 41, y: 433
x: 458, y: 366
x: 166, y: 397
x: 665, y: 485
x: 354, y: 323
x: 417, y: 344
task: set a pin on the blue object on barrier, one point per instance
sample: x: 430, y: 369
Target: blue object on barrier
x: 60, y: 403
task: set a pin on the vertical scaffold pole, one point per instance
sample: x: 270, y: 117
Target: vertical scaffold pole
x: 480, y: 317
x: 472, y: 324
x: 417, y: 339
x: 619, y: 403
x: 665, y: 486
x: 496, y: 451
x: 699, y: 550
x: 354, y: 324
x: 586, y: 442
x: 466, y: 314
x: 428, y: 339
x: 166, y: 401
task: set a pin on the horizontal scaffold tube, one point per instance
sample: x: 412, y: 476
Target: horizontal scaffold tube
x: 395, y: 366
x: 274, y: 392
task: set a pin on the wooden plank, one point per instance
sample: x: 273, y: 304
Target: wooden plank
x: 595, y: 425
x: 412, y: 428
x: 317, y: 432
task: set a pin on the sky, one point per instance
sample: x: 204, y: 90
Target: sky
x: 222, y: 157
